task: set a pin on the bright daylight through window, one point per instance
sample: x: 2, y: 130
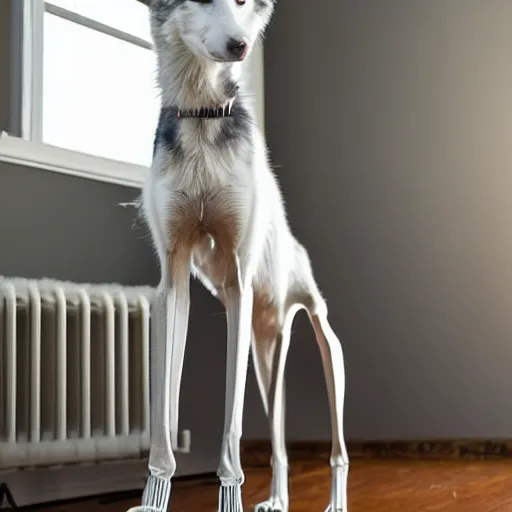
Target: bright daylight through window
x: 99, y: 93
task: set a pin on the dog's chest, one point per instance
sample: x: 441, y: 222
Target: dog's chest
x: 206, y: 160
x: 203, y: 198
x: 208, y: 227
x: 203, y: 187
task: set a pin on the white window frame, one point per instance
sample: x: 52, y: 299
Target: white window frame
x: 26, y: 147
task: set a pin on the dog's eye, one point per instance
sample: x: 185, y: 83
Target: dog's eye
x: 240, y: 2
x: 202, y: 1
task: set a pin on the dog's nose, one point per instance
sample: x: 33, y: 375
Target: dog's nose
x: 237, y: 48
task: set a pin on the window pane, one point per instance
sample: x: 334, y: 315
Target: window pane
x: 126, y: 15
x: 99, y: 93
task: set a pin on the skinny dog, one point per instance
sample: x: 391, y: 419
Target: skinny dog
x: 215, y: 211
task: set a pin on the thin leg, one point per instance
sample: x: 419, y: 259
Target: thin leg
x: 238, y: 300
x: 334, y: 369
x: 169, y: 325
x: 270, y: 362
x: 263, y: 354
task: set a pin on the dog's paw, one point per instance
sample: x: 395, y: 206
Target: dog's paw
x: 143, y: 509
x: 331, y: 508
x: 271, y: 505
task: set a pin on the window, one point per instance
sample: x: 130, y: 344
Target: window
x: 97, y: 93
x: 87, y: 84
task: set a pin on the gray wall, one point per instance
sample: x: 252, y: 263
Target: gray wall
x: 391, y: 121
x: 70, y: 228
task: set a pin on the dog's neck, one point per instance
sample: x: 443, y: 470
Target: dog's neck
x: 188, y: 82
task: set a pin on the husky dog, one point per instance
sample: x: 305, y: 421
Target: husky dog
x: 215, y: 211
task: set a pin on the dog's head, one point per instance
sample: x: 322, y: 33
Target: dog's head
x: 218, y: 30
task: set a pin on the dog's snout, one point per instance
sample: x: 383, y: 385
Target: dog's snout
x: 237, y: 48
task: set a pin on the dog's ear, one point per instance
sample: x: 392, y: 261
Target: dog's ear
x: 145, y: 2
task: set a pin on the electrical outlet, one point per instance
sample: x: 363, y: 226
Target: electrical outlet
x: 184, y: 441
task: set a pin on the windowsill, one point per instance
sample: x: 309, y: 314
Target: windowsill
x: 26, y: 153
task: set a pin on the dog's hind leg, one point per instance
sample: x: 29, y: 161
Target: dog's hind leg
x: 169, y: 323
x: 270, y: 361
x: 334, y: 369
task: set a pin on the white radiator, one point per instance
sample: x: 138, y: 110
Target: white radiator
x: 74, y: 381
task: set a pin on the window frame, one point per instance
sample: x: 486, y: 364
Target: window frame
x: 23, y: 144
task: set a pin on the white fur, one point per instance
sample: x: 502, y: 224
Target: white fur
x: 269, y: 261
x: 207, y: 39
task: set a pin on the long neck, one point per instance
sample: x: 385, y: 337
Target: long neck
x: 189, y: 82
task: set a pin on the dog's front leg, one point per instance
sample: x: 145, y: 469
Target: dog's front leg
x: 169, y: 322
x: 239, y: 300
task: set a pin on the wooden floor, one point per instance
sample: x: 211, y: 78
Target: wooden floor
x: 374, y: 486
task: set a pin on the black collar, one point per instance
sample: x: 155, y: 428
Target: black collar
x: 208, y: 112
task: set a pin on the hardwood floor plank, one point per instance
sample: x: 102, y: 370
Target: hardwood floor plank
x: 374, y: 486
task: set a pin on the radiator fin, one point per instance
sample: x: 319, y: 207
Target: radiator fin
x: 74, y: 372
